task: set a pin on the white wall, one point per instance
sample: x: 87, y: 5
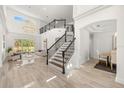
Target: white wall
x: 85, y: 45
x: 112, y: 12
x: 51, y: 36
x: 120, y: 46
x: 102, y: 42
x: 2, y: 32
x: 91, y: 46
x: 0, y: 42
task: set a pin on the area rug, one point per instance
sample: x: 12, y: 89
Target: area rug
x: 102, y: 66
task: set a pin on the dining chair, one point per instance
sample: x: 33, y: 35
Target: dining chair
x: 102, y: 58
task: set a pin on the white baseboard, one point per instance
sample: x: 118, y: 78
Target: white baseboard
x: 121, y: 81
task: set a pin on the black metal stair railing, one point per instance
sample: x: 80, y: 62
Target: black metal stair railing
x: 56, y: 23
x: 67, y: 53
x: 51, y: 51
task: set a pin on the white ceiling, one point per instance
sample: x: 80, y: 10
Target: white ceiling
x: 102, y: 26
x: 48, y: 12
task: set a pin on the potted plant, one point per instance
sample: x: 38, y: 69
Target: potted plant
x: 9, y: 50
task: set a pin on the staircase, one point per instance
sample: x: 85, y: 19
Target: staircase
x: 59, y: 54
x: 57, y: 58
x: 61, y: 57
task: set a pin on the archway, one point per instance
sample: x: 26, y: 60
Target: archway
x: 97, y: 36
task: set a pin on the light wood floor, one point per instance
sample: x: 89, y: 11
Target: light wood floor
x: 39, y: 75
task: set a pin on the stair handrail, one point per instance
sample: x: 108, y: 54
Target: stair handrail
x: 56, y: 41
x: 54, y: 21
x: 69, y: 45
x: 63, y: 55
x: 54, y: 44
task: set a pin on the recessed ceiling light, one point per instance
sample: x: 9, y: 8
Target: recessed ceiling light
x: 98, y: 25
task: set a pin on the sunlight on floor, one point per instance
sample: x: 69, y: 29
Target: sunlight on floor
x: 29, y: 85
x: 51, y: 79
x: 69, y: 66
x: 69, y: 75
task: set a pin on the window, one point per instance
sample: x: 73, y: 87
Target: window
x: 23, y: 45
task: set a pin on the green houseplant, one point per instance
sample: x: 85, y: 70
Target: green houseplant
x: 9, y: 50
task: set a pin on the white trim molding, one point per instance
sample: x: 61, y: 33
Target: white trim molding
x: 17, y: 33
x: 91, y: 11
x: 121, y: 81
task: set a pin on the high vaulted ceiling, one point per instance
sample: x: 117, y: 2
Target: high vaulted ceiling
x: 48, y: 12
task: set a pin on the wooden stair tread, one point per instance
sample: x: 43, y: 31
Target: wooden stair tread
x: 58, y: 60
x: 58, y: 65
x: 60, y: 56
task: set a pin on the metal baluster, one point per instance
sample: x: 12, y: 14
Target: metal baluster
x: 63, y: 54
x: 47, y: 56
